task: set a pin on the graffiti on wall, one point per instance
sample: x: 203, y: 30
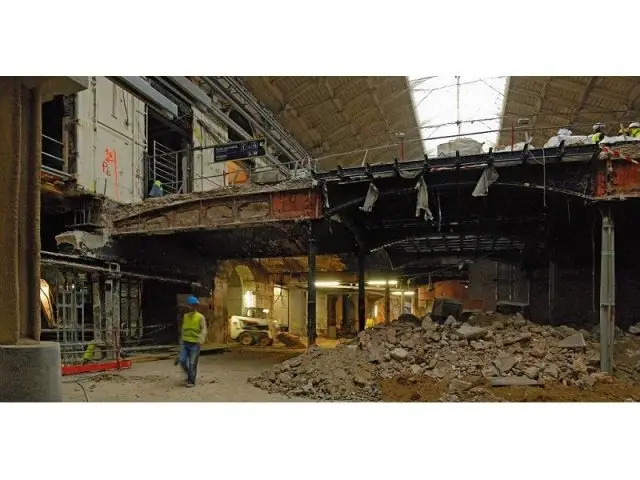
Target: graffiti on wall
x: 110, y: 168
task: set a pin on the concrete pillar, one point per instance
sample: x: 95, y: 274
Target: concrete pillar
x: 362, y: 312
x: 387, y: 303
x: 311, y: 296
x: 29, y: 371
x: 607, y: 291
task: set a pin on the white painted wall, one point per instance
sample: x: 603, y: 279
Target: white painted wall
x: 321, y: 311
x: 207, y: 131
x: 111, y: 141
x: 298, y: 311
x: 281, y: 305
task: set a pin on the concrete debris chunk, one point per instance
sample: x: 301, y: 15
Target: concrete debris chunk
x: 519, y: 320
x: 579, y: 366
x: 513, y: 382
x: 471, y: 333
x: 295, y: 362
x: 399, y: 354
x: 635, y: 329
x: 456, y: 386
x: 427, y: 323
x: 532, y: 372
x: 495, y: 349
x: 524, y: 337
x: 573, y: 341
x: 552, y: 370
x: 285, y: 377
x: 450, y: 321
x: 505, y: 364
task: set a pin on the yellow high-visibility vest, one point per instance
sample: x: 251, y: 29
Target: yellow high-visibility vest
x: 596, y: 137
x: 191, y: 327
x: 635, y: 132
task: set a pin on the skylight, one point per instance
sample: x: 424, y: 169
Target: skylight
x: 476, y: 102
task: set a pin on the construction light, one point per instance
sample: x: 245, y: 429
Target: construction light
x: 408, y: 293
x: 379, y: 283
x: 327, y: 284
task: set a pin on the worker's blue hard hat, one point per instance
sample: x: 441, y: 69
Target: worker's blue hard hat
x: 191, y: 300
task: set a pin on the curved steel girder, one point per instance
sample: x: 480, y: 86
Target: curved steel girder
x: 358, y: 233
x: 430, y: 262
x: 488, y: 229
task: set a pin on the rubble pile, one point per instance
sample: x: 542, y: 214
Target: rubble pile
x: 489, y: 351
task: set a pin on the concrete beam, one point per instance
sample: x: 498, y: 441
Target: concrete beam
x: 223, y: 212
x: 52, y: 86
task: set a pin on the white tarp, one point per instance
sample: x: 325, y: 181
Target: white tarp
x: 517, y: 147
x: 422, y: 203
x: 618, y: 139
x: 488, y: 177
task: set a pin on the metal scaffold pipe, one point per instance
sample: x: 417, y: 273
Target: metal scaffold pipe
x: 95, y: 268
x: 607, y: 291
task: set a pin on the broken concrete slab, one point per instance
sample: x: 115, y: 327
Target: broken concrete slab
x: 573, y: 341
x: 399, y: 354
x: 427, y: 323
x: 450, y: 321
x: 552, y: 370
x: 525, y: 337
x: 532, y: 372
x: 471, y: 333
x: 514, y: 382
x: 459, y: 386
x: 504, y: 364
x: 285, y: 377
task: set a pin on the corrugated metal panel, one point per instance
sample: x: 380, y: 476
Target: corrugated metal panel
x: 111, y: 139
x: 482, y: 283
x: 512, y: 284
x: 206, y: 174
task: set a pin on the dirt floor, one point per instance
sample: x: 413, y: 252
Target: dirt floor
x: 221, y: 378
x: 425, y: 389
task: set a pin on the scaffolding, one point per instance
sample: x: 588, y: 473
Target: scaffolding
x: 97, y: 314
x: 164, y: 166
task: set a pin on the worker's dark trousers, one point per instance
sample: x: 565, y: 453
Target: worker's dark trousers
x: 189, y: 353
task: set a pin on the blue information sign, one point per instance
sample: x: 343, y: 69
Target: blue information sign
x: 239, y: 150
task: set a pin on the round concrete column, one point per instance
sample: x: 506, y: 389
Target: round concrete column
x: 30, y: 373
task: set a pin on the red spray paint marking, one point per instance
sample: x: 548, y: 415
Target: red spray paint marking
x: 617, y: 154
x: 111, y: 158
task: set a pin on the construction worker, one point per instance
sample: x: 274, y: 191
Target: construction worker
x: 634, y: 130
x: 598, y: 133
x: 156, y: 190
x: 194, y: 333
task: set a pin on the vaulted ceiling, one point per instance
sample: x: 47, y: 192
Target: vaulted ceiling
x: 333, y: 115
x: 577, y: 102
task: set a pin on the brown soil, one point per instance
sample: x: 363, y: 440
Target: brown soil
x: 426, y: 389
